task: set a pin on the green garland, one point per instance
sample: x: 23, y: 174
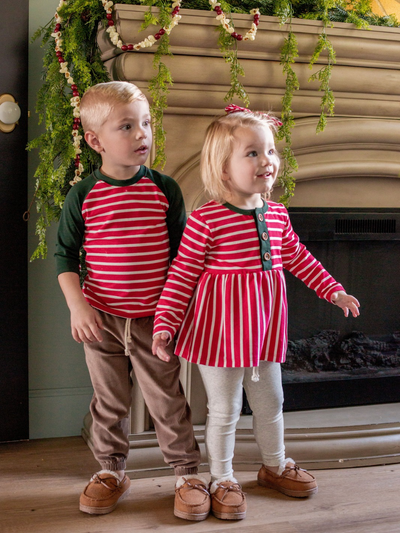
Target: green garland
x: 159, y: 85
x: 79, y: 32
x: 228, y: 47
x: 289, y: 52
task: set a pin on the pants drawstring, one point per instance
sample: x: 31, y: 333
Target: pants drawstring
x: 256, y: 374
x: 127, y: 336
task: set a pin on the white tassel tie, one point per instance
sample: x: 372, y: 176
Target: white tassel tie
x: 256, y: 374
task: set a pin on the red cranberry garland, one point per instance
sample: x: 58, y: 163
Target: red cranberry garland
x: 151, y: 39
x: 250, y: 35
x: 148, y: 41
x: 75, y: 99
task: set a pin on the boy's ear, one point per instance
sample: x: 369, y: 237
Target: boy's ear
x: 93, y: 141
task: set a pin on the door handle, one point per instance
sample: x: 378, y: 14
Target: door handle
x: 10, y: 113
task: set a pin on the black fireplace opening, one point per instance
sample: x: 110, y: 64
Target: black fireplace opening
x: 333, y: 361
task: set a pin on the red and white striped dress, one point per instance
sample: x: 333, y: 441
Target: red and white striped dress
x: 226, y: 291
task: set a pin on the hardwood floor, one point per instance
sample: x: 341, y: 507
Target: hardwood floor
x: 41, y: 481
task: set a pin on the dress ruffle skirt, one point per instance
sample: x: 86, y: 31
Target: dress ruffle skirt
x: 236, y: 320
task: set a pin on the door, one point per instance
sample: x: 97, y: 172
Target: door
x: 13, y: 229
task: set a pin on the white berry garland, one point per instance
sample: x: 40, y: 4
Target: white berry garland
x: 176, y: 6
x: 226, y: 23
x: 151, y: 39
x: 75, y: 99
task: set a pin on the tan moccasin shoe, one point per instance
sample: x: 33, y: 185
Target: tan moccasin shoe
x: 103, y: 493
x: 192, y: 499
x: 293, y: 481
x: 228, y: 502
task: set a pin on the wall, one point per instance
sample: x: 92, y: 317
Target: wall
x: 59, y: 384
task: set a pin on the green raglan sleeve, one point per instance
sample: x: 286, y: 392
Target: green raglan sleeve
x: 71, y: 228
x: 176, y: 214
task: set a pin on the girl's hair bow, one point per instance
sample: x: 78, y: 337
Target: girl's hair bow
x: 232, y: 108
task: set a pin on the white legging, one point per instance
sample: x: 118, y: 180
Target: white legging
x: 224, y: 388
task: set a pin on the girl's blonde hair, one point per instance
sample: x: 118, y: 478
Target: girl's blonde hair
x: 99, y: 100
x: 218, y: 147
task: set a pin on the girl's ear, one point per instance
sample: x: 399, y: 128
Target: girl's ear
x: 93, y: 141
x: 225, y: 175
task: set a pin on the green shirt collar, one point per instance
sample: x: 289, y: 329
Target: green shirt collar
x: 121, y: 183
x: 262, y: 209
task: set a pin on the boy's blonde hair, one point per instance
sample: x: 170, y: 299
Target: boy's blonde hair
x: 218, y: 147
x: 99, y: 100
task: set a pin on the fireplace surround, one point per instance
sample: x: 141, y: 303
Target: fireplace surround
x: 335, y: 361
x: 353, y: 164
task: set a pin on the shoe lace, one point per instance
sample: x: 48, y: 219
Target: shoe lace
x: 97, y: 479
x: 194, y: 486
x: 232, y: 487
x: 289, y: 469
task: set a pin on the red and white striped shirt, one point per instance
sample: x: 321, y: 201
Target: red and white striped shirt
x: 226, y: 291
x: 127, y: 229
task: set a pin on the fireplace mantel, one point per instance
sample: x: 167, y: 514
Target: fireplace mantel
x: 360, y: 143
x: 355, y: 162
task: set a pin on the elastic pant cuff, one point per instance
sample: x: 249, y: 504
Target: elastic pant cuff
x: 121, y: 465
x: 185, y: 471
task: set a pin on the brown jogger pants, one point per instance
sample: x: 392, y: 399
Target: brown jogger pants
x: 126, y: 347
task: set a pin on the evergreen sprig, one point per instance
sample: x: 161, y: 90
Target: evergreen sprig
x: 228, y: 48
x: 323, y: 75
x: 162, y: 81
x: 289, y: 52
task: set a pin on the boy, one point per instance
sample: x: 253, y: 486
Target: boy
x: 129, y: 220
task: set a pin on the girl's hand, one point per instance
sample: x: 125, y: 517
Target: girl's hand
x: 160, y: 341
x: 346, y: 302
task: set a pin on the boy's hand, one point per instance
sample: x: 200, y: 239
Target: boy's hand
x: 346, y: 302
x: 160, y: 341
x: 86, y: 323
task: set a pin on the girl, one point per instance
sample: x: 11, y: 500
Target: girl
x: 225, y: 294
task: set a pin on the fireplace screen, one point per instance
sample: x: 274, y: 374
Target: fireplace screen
x: 333, y: 361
